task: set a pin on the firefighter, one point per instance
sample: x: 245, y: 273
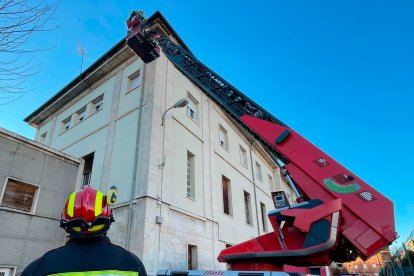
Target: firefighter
x: 136, y: 17
x: 86, y: 217
x: 141, y: 17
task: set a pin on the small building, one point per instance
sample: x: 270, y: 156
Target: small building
x: 35, y: 181
x: 409, y: 243
x: 370, y: 267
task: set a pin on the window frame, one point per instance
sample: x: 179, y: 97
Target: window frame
x: 271, y: 183
x: 87, y: 173
x: 8, y: 269
x: 97, y: 104
x: 35, y: 196
x: 192, y: 108
x: 81, y: 115
x: 131, y: 78
x: 194, y: 256
x: 66, y: 124
x: 190, y: 175
x: 42, y: 137
x: 229, y: 198
x: 248, y: 207
x: 225, y: 143
x: 259, y: 174
x: 264, y: 217
x: 243, y: 156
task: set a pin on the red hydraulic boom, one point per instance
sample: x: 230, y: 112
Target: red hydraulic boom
x: 337, y: 216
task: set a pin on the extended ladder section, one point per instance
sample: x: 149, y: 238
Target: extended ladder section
x: 341, y: 216
x: 230, y: 98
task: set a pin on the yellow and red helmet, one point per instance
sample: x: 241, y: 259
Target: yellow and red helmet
x: 86, y: 213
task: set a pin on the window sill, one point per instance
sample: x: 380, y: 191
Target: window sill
x: 190, y: 198
x: 16, y: 210
x: 227, y: 215
x: 132, y: 89
x: 225, y: 148
x: 194, y: 120
x: 248, y: 224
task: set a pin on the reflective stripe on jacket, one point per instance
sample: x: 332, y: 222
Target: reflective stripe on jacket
x: 100, y: 273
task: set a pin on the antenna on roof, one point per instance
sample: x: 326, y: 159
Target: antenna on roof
x: 82, y: 52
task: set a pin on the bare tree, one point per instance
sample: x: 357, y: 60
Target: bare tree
x: 19, y: 21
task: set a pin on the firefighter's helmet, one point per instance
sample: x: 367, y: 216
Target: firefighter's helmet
x: 86, y: 213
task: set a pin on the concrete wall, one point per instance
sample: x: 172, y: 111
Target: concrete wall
x: 25, y: 236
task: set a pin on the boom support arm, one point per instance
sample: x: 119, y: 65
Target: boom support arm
x: 362, y: 230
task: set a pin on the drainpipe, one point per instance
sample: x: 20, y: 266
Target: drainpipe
x: 161, y: 166
x: 135, y: 169
x: 254, y: 187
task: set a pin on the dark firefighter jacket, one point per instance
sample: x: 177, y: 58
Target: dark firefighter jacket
x: 95, y: 256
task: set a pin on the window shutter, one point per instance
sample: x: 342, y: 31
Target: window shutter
x: 19, y: 195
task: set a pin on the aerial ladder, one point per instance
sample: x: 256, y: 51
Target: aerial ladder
x: 337, y: 216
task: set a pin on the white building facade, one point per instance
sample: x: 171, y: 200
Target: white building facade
x: 190, y: 180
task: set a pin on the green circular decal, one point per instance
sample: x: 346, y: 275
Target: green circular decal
x: 342, y: 189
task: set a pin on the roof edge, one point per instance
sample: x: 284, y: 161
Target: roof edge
x: 39, y: 146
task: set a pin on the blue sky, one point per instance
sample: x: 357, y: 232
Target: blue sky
x: 338, y: 72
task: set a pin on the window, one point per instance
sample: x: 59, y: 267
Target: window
x: 42, y: 137
x: 97, y: 104
x: 264, y: 216
x: 243, y: 156
x: 364, y: 265
x: 270, y: 178
x: 190, y: 175
x: 19, y: 195
x: 134, y: 81
x: 87, y: 169
x: 374, y: 265
x: 314, y: 270
x: 227, y: 206
x: 81, y: 114
x: 248, y: 208
x: 356, y: 266
x: 258, y: 171
x: 223, y: 138
x: 192, y: 107
x: 66, y: 124
x: 192, y: 257
x: 6, y: 271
